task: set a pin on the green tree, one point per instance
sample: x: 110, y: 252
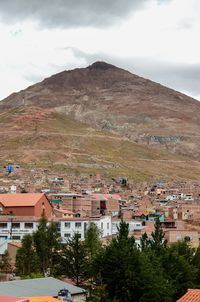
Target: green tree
x: 153, y: 286
x: 93, y: 248
x: 144, y: 242
x: 74, y: 260
x: 53, y: 247
x: 116, y: 264
x: 128, y: 274
x: 26, y: 258
x: 158, y: 241
x: 47, y: 245
x: 179, y: 270
x: 92, y: 241
x: 41, y: 245
x: 5, y: 263
x: 196, y: 263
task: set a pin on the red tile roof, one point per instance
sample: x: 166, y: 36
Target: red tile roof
x: 20, y: 199
x: 192, y: 295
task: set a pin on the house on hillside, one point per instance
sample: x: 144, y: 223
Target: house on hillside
x: 25, y: 204
x: 174, y: 235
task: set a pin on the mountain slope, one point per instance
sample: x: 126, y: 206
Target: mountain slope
x: 51, y: 140
x: 102, y: 118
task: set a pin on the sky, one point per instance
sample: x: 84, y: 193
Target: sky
x: 156, y: 39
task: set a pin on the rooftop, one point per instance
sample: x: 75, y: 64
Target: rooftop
x: 37, y: 287
x: 192, y: 295
x: 20, y: 199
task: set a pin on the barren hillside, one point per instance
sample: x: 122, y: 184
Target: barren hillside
x: 102, y: 118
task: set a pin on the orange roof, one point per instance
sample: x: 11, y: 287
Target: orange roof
x: 43, y: 299
x: 192, y: 295
x: 20, y: 199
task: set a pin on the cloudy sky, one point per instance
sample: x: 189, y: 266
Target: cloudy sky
x: 157, y: 39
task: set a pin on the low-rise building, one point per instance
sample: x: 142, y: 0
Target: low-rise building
x: 25, y: 204
x: 175, y: 235
x: 68, y: 227
x: 15, y: 227
x: 133, y: 225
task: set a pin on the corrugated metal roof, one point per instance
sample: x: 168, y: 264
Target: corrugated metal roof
x: 37, y: 287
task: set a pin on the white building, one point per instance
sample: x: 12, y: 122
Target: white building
x: 14, y: 228
x: 68, y: 227
x: 133, y: 225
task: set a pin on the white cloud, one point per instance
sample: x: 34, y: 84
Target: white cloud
x: 166, y: 35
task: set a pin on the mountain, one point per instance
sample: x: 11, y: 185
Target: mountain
x: 102, y: 118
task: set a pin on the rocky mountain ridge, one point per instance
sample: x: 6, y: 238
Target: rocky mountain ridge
x: 105, y: 98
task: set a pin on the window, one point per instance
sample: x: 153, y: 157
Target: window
x: 107, y: 225
x: 16, y: 237
x: 67, y: 225
x: 78, y: 225
x: 28, y: 225
x: 67, y: 235
x: 79, y: 235
x: 102, y: 225
x: 15, y: 225
x: 3, y: 225
x: 3, y: 238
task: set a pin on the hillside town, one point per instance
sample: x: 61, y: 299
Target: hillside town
x: 74, y: 202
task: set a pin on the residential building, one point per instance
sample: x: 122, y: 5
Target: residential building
x: 174, y: 235
x: 88, y: 205
x: 15, y: 227
x: 189, y: 211
x: 133, y: 225
x: 68, y: 227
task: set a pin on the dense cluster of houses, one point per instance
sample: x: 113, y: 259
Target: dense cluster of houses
x: 74, y: 202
